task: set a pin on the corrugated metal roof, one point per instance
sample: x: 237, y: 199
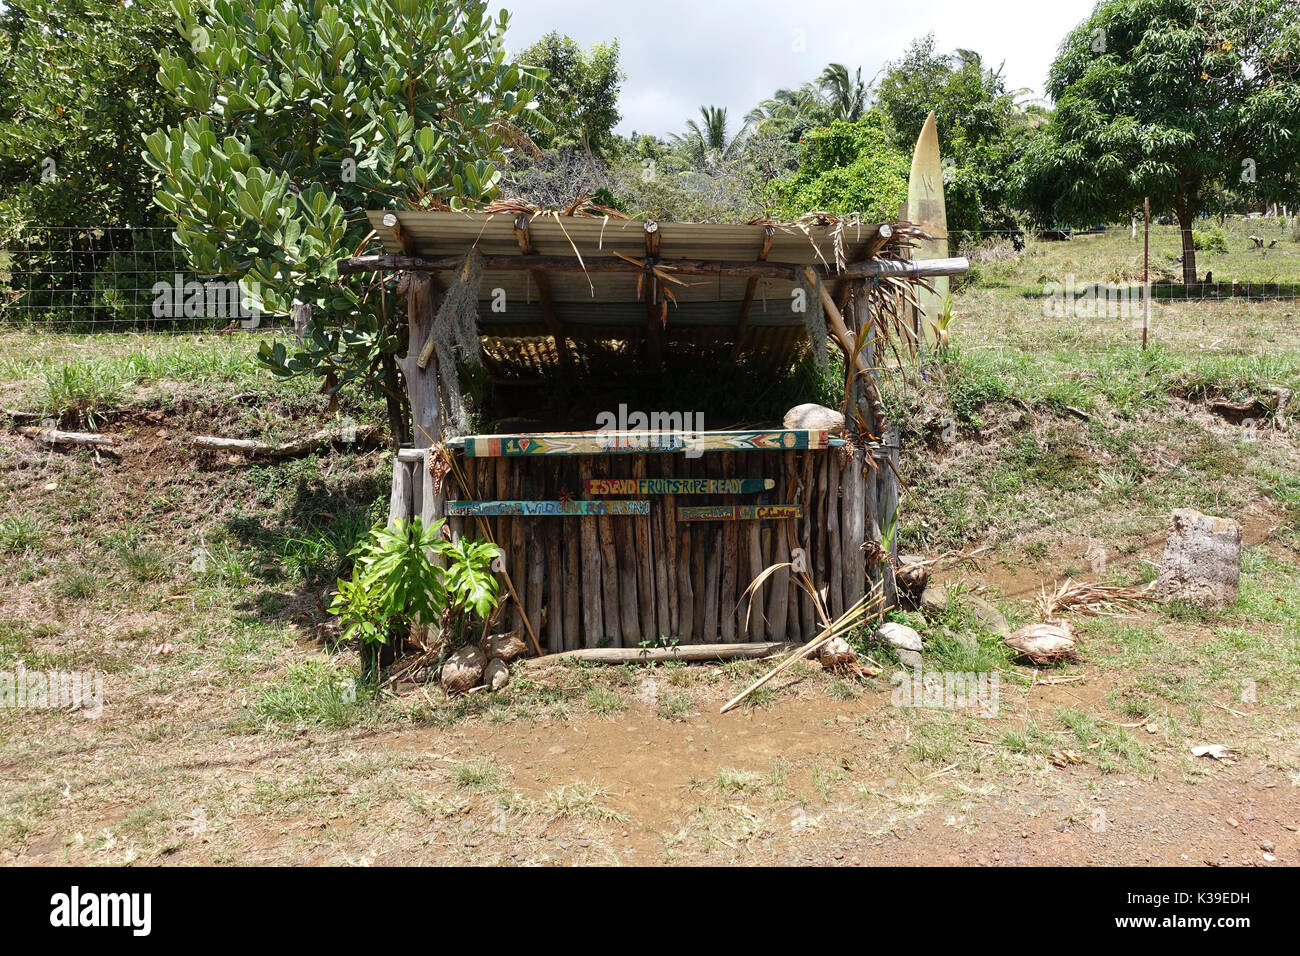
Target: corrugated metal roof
x: 606, y: 307
x: 452, y: 233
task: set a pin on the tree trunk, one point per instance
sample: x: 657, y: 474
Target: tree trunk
x: 1185, y: 219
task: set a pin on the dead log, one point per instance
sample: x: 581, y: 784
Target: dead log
x: 52, y: 436
x: 680, y: 652
x: 365, y: 435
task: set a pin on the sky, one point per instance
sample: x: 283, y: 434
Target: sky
x: 681, y: 54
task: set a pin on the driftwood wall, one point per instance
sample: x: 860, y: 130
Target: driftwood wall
x: 615, y: 580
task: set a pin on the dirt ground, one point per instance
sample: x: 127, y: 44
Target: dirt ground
x: 234, y: 730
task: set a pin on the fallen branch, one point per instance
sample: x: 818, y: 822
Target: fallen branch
x: 52, y: 436
x: 366, y: 434
x: 683, y: 652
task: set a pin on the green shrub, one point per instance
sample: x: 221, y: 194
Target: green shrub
x: 397, y: 580
x: 845, y: 168
x: 1212, y: 240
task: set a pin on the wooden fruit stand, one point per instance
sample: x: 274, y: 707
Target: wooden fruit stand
x: 619, y: 538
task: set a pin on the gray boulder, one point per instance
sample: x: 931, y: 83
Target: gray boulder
x: 1202, y: 559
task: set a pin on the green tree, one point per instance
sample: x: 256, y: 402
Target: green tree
x: 980, y: 134
x: 303, y: 114
x: 77, y: 93
x: 709, y: 142
x: 846, y: 168
x: 845, y: 95
x: 1175, y: 100
x: 579, y: 105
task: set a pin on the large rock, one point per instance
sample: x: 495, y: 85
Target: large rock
x: 905, y: 641
x: 989, y: 616
x: 463, y: 669
x: 1202, y: 560
x: 934, y: 602
x: 505, y: 647
x: 815, y: 417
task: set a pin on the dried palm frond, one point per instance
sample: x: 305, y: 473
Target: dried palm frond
x: 1108, y: 599
x: 856, y: 615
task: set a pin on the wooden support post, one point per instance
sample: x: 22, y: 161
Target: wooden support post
x: 544, y: 299
x: 399, y: 501
x: 593, y: 620
x: 752, y: 612
x: 730, y: 557
x: 751, y: 284
x: 645, y: 564
x: 654, y: 302
x: 889, y: 512
x: 666, y: 554
x: 609, y: 568
x: 685, y: 585
x: 834, y: 547
x: 778, y: 585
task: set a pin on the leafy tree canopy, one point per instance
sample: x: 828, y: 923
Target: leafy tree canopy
x: 1175, y: 100
x: 578, y: 108
x: 77, y: 91
x: 846, y: 168
x: 304, y: 113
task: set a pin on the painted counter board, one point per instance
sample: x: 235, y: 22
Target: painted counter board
x: 738, y: 512
x: 630, y: 443
x: 553, y: 509
x: 600, y: 487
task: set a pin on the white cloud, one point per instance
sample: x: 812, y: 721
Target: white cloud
x: 681, y: 54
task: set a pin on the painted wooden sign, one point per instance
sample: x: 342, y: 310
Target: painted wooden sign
x: 606, y: 443
x: 678, y: 486
x: 556, y: 509
x: 738, y: 512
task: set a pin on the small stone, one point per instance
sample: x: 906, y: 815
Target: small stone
x: 988, y: 615
x: 1232, y: 822
x: 506, y: 646
x: 905, y: 641
x: 1266, y: 846
x: 497, y: 674
x: 934, y: 602
x: 463, y: 669
x: 1202, y: 559
x: 647, y: 692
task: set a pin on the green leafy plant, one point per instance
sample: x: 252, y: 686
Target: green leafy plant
x: 1210, y: 240
x: 410, y: 574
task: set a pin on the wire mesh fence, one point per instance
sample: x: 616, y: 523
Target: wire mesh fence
x: 72, y: 279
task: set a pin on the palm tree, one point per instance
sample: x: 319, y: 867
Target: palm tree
x: 708, y: 142
x: 845, y: 95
